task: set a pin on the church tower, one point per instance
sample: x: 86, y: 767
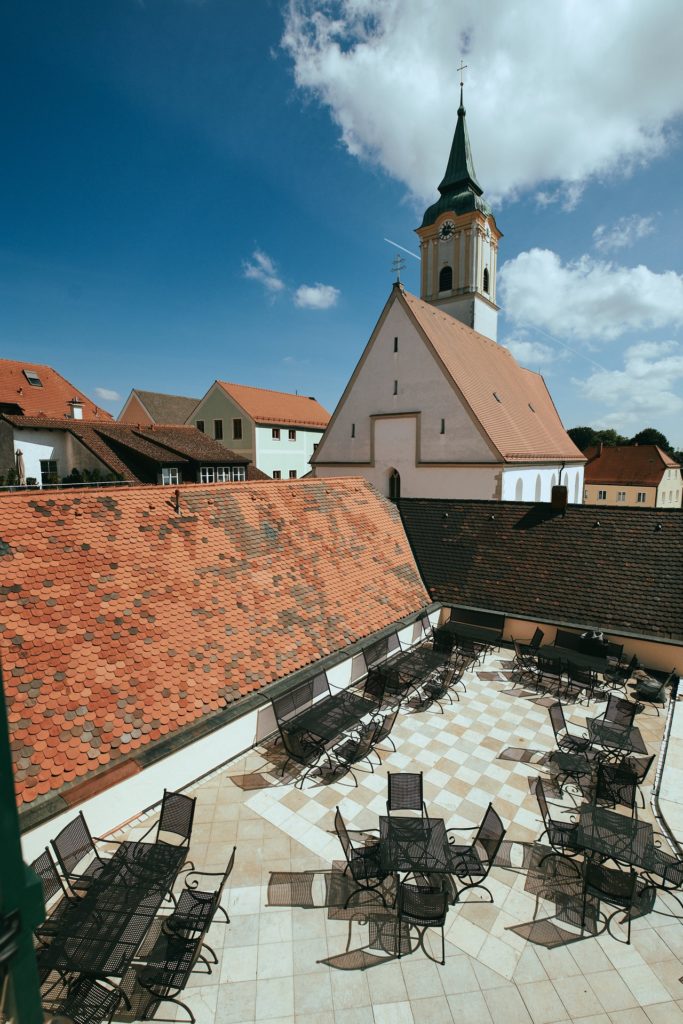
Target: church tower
x: 459, y: 243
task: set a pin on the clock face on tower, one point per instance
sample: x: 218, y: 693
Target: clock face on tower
x: 447, y: 229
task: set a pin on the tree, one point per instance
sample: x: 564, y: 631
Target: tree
x: 651, y: 436
x: 610, y: 437
x: 583, y: 437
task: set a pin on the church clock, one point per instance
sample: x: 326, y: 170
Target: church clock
x: 447, y: 229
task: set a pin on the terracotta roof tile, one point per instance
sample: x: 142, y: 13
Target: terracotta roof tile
x: 52, y: 399
x: 274, y: 407
x: 512, y: 404
x: 627, y: 464
x: 166, y: 408
x: 127, y: 620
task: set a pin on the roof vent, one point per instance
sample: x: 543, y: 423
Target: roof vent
x: 531, y: 407
x: 658, y: 526
x: 596, y: 523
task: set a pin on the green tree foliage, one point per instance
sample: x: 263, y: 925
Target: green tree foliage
x: 584, y: 437
x: 651, y: 436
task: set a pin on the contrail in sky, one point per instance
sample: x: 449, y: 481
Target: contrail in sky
x: 414, y: 255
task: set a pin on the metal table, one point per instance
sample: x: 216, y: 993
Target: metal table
x: 611, y: 737
x: 332, y: 717
x: 573, y: 766
x: 414, y: 844
x: 609, y: 834
x: 564, y: 655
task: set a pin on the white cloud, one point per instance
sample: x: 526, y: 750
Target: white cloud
x: 588, y: 299
x: 107, y: 395
x: 316, y: 296
x: 263, y: 269
x: 623, y: 234
x: 568, y: 196
x: 532, y: 354
x: 644, y: 392
x: 580, y: 90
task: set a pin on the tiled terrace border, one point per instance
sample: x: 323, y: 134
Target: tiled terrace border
x: 290, y: 963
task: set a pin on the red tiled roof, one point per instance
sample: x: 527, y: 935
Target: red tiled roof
x: 273, y: 407
x: 122, y: 620
x: 52, y: 399
x: 627, y: 464
x: 522, y: 421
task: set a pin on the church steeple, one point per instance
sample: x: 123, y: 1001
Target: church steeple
x: 459, y: 241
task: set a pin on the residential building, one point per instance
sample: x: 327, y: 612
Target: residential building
x: 638, y: 476
x: 435, y: 407
x: 154, y: 407
x: 31, y: 389
x: 57, y: 452
x: 279, y: 432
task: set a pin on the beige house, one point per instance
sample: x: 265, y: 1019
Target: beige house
x: 154, y: 407
x: 636, y: 475
x: 279, y: 432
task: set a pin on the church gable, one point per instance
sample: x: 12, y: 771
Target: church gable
x: 400, y: 377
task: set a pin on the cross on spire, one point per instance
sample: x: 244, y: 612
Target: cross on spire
x: 397, y: 265
x: 463, y: 67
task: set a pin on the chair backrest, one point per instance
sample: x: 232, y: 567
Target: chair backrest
x: 375, y: 685
x: 290, y: 704
x: 405, y: 791
x: 376, y: 652
x: 385, y: 726
x: 177, y: 815
x: 296, y: 745
x: 491, y: 834
x: 550, y: 666
x: 46, y: 869
x: 616, y: 785
x: 536, y: 639
x: 640, y: 766
x: 422, y: 904
x: 542, y: 802
x: 226, y: 875
x: 73, y: 844
x: 613, y: 650
x: 632, y: 665
x: 343, y: 835
x: 570, y: 641
x: 620, y: 712
x: 557, y: 719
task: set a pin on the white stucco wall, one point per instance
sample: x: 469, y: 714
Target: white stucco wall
x: 57, y: 445
x: 284, y: 454
x: 536, y: 483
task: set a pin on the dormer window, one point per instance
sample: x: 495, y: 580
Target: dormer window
x: 76, y: 406
x: 33, y: 378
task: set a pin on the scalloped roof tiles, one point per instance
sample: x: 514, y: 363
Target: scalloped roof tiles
x: 122, y: 620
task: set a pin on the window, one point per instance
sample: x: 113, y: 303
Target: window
x: 292, y: 474
x: 394, y: 485
x: 486, y: 279
x: 33, y: 378
x: 291, y: 434
x: 621, y: 495
x: 218, y: 429
x: 238, y: 473
x: 200, y: 425
x: 443, y: 427
x: 445, y: 279
x: 221, y: 474
x: 395, y: 344
x: 353, y: 430
x: 170, y: 475
x: 395, y: 387
x: 602, y: 495
x: 48, y: 470
x: 277, y: 474
x: 237, y: 430
x: 275, y: 433
x: 641, y: 496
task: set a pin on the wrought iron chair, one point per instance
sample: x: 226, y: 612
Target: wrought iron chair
x: 612, y: 886
x: 567, y: 741
x: 386, y: 724
x: 560, y: 834
x: 617, y: 675
x: 525, y: 668
x: 619, y: 713
x: 405, y: 793
x: 357, y: 747
x: 304, y: 749
x: 363, y: 863
x: 582, y: 680
x: 616, y: 784
x: 196, y: 908
x: 471, y: 864
x: 174, y: 826
x: 422, y: 907
x: 84, y: 1001
x: 640, y: 766
x: 665, y: 874
x: 72, y: 846
x: 552, y: 674
x: 165, y: 974
x: 46, y: 869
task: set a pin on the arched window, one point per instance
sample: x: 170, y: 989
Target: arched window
x: 486, y: 279
x: 394, y: 485
x: 576, y: 489
x: 553, y: 482
x: 539, y: 484
x: 445, y: 279
x: 519, y: 490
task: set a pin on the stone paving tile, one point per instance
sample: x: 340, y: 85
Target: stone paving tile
x: 273, y: 957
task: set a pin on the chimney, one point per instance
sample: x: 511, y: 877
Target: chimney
x: 559, y: 498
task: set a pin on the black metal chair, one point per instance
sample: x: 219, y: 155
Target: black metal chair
x: 665, y: 874
x: 471, y: 864
x: 619, y: 713
x: 386, y: 724
x: 174, y: 826
x: 616, y: 784
x: 164, y: 974
x: 612, y: 886
x: 566, y: 740
x: 422, y: 907
x: 363, y: 863
x: 561, y: 835
x: 405, y: 793
x: 357, y: 747
x: 525, y: 669
x: 196, y: 908
x: 552, y: 674
x: 73, y: 844
x: 617, y: 675
x: 581, y: 680
x: 46, y: 870
x: 302, y: 748
x: 640, y: 766
x: 84, y: 1001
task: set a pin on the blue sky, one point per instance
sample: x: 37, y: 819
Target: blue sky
x: 199, y: 190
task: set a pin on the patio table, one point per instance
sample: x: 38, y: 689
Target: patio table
x: 592, y: 662
x: 332, y: 717
x: 611, y: 737
x: 609, y: 834
x: 100, y: 935
x: 414, y: 845
x: 575, y: 766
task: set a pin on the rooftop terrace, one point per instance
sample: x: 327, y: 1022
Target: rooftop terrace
x: 292, y: 953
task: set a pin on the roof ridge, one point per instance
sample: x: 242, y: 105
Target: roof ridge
x: 272, y: 391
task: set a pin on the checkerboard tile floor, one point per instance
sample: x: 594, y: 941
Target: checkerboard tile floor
x: 271, y: 955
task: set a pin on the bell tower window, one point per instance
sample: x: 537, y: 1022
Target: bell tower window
x: 486, y: 280
x: 446, y: 279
